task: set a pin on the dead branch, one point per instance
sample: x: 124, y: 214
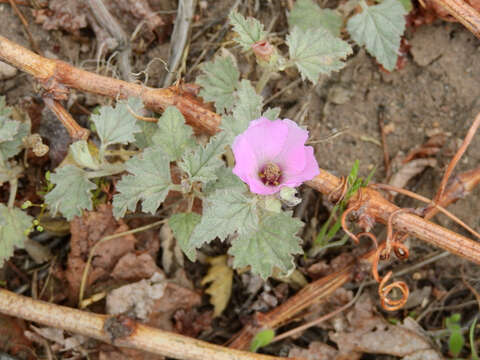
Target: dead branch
x: 119, y: 331
x: 464, y: 13
x: 50, y: 71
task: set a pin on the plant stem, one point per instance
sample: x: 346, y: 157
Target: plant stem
x: 13, y: 192
x: 97, y: 326
x: 266, y: 75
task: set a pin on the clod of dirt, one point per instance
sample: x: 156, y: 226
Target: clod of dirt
x: 424, y: 46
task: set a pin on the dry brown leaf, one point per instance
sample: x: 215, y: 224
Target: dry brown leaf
x: 410, y: 170
x: 86, y: 232
x: 12, y: 338
x: 138, y: 298
x: 371, y: 333
x: 172, y: 255
x: 316, y: 351
x: 69, y: 15
x: 220, y: 275
x: 134, y: 267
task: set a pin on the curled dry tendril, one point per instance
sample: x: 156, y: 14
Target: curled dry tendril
x: 394, y: 241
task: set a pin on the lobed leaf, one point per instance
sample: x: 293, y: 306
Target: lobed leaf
x: 149, y: 183
x: 225, y: 213
x: 201, y: 162
x: 247, y: 108
x: 13, y: 225
x: 270, y: 245
x: 380, y: 28
x: 72, y: 192
x: 307, y: 15
x: 182, y: 225
x: 219, y: 81
x: 115, y: 125
x: 173, y: 135
x: 249, y: 30
x: 316, y: 52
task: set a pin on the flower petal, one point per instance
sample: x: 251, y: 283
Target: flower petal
x: 246, y: 163
x: 258, y: 187
x: 266, y: 138
x: 310, y: 170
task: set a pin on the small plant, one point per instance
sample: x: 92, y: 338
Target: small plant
x: 270, y: 154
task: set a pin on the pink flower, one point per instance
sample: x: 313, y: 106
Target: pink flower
x: 272, y: 154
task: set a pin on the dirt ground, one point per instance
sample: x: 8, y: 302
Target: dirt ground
x: 436, y: 91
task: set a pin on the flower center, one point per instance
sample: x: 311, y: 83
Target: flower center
x: 270, y: 174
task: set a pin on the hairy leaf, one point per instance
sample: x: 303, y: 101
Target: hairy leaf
x: 8, y: 129
x: 82, y: 155
x: 270, y: 245
x: 143, y: 139
x: 220, y: 275
x: 182, y: 225
x: 201, y: 162
x: 173, y: 135
x: 380, y: 28
x: 72, y: 192
x: 316, y: 52
x: 307, y: 15
x: 225, y: 212
x: 272, y: 113
x: 115, y: 125
x: 13, y: 225
x: 150, y: 182
x: 249, y: 30
x: 219, y: 81
x: 226, y: 180
x: 4, y: 109
x: 247, y: 108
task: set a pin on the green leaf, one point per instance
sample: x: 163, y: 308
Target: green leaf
x: 82, y: 156
x: 261, y: 339
x: 12, y: 133
x: 173, y: 135
x: 455, y: 340
x: 407, y: 4
x: 219, y: 81
x: 13, y: 225
x: 249, y: 30
x: 307, y: 15
x: 4, y: 109
x: 72, y: 192
x: 182, y: 225
x: 270, y: 245
x: 471, y: 337
x: 272, y: 114
x: 8, y: 129
x: 316, y: 52
x: 115, y: 125
x: 225, y: 212
x: 143, y: 139
x: 201, y: 162
x: 150, y: 182
x: 379, y: 28
x: 226, y: 180
x: 247, y: 108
